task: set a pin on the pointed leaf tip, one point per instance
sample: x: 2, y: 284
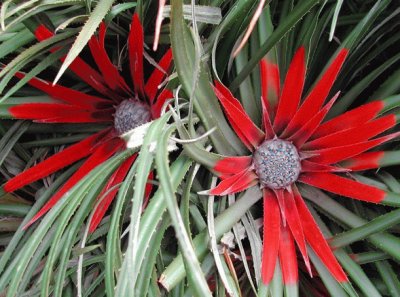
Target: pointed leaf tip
x: 85, y: 34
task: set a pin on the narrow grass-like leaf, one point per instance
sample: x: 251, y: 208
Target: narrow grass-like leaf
x: 241, y: 249
x: 376, y: 225
x: 71, y: 232
x: 330, y: 283
x: 19, y: 234
x: 213, y: 242
x: 144, y: 278
x: 343, y: 104
x: 384, y: 241
x: 42, y: 65
x: 17, y: 210
x: 335, y: 17
x: 16, y: 42
x: 196, y: 278
x: 85, y: 34
x: 71, y: 229
x: 131, y: 266
x: 206, y: 105
x: 9, y: 139
x: 36, y: 48
x: 203, y: 14
x: 254, y: 238
x: 117, y: 9
x: 175, y: 272
x: 113, y: 248
x: 55, y: 141
x: 34, y: 241
x: 283, y: 28
x: 390, y: 277
x: 352, y: 268
x: 369, y: 257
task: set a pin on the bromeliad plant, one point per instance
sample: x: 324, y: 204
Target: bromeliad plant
x: 296, y: 146
x: 119, y: 106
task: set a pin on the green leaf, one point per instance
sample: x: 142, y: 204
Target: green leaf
x: 94, y: 20
x: 390, y: 277
x: 11, y: 137
x: 113, y: 248
x: 330, y: 283
x: 339, y: 4
x: 16, y: 42
x: 68, y: 204
x: 197, y: 282
x: 383, y: 241
x: 18, y: 236
x: 204, y: 100
x: 283, y: 28
x: 144, y: 278
x: 376, y: 225
x: 355, y: 272
x: 175, y: 272
x: 41, y: 66
x: 132, y: 262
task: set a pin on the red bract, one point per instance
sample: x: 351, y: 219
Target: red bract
x: 138, y: 105
x: 295, y: 146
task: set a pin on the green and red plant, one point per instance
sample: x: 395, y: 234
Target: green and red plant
x: 119, y: 106
x: 296, y: 146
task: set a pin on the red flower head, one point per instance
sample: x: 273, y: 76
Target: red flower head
x: 296, y: 146
x: 118, y: 105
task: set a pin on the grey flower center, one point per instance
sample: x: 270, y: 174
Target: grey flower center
x: 130, y: 114
x: 277, y: 163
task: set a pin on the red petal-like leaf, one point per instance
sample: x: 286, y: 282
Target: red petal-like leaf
x: 350, y: 119
x: 42, y: 33
x: 157, y: 106
x: 158, y: 76
x: 56, y: 162
x: 287, y: 257
x: 110, y: 73
x: 294, y: 221
x: 59, y: 113
x: 317, y: 96
x: 272, y: 228
x: 238, y: 117
x: 280, y: 196
x: 102, y: 153
x: 239, y: 133
x: 67, y: 95
x: 317, y: 241
x: 369, y: 160
x: 308, y: 166
x: 232, y: 165
x: 109, y: 192
x: 341, y: 153
x: 291, y: 92
x: 236, y: 183
x: 268, y: 130
x: 78, y: 66
x: 270, y: 86
x: 135, y: 47
x: 343, y: 186
x: 361, y: 133
x: 305, y: 132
